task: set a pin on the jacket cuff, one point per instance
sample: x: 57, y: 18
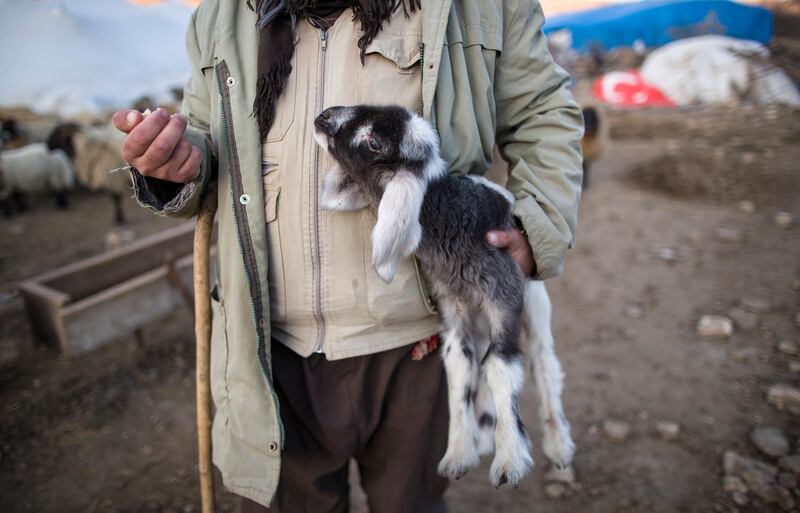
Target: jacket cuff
x: 162, y: 196
x: 549, y: 246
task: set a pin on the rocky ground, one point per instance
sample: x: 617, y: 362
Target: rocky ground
x: 677, y: 322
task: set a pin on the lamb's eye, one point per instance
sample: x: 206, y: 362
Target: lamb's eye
x: 373, y: 144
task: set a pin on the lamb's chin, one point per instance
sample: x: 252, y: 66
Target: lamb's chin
x: 321, y: 139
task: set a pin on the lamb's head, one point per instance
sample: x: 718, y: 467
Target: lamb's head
x: 385, y: 156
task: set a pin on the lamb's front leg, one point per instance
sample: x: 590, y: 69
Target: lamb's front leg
x: 462, y: 371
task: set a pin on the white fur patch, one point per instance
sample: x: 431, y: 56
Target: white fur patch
x: 321, y: 139
x: 336, y: 197
x: 361, y: 135
x: 490, y: 184
x: 397, y: 232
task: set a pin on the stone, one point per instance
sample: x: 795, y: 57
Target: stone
x: 784, y: 397
x: 771, y: 441
x: 616, y: 430
x: 787, y: 480
x: 794, y: 366
x: 784, y: 219
x: 790, y: 463
x: 760, y: 483
x: 747, y: 206
x: 555, y: 491
x: 744, y: 319
x: 734, y: 484
x: 740, y: 498
x: 715, y: 327
x: 666, y: 254
x: 560, y: 475
x: 725, y: 234
x: 668, y: 431
x: 735, y: 464
x: 634, y: 311
x: 788, y: 347
x: 743, y: 354
x: 755, y: 304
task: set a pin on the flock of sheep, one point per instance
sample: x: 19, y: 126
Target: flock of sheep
x: 71, y: 155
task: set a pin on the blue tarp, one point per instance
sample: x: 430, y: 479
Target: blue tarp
x: 657, y: 22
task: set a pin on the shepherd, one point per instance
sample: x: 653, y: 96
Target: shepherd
x: 310, y: 360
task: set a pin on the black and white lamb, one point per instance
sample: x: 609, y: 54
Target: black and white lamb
x: 387, y: 158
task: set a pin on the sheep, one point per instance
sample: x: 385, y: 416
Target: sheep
x: 95, y: 152
x: 34, y: 168
x: 387, y: 158
x: 591, y: 144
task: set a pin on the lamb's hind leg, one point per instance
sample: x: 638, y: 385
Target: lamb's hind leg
x: 486, y: 417
x: 462, y: 370
x: 505, y: 375
x: 557, y: 445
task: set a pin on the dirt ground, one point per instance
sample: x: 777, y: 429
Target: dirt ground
x: 658, y: 247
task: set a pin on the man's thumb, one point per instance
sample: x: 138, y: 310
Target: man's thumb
x: 126, y: 120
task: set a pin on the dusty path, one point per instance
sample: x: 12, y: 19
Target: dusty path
x: 114, y: 432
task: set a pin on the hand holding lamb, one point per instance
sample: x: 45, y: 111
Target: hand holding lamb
x: 156, y: 146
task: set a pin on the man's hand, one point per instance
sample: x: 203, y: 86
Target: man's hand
x: 156, y: 145
x: 516, y: 244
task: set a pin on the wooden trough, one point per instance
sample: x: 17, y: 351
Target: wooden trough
x: 86, y: 304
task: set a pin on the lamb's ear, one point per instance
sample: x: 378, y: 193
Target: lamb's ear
x: 340, y: 192
x: 397, y: 232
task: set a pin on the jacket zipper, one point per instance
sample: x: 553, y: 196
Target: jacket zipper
x: 315, y: 251
x: 240, y: 215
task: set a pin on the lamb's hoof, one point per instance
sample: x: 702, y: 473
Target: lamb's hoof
x: 453, y: 467
x: 558, y: 445
x: 510, y: 470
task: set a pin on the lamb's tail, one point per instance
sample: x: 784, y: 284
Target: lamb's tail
x: 557, y: 445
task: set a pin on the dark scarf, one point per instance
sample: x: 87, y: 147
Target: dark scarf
x: 276, y: 23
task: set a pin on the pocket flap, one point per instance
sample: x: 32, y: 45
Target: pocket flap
x: 403, y: 50
x: 273, y: 191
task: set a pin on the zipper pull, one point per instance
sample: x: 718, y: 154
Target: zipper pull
x: 323, y: 36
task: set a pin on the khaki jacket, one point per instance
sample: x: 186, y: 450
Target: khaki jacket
x: 487, y: 78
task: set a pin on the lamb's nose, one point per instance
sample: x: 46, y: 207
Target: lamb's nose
x: 323, y: 121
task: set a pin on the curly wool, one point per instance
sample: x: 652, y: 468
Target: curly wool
x: 98, y: 152
x: 35, y: 168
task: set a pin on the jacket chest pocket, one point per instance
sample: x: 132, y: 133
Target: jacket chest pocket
x: 391, y: 73
x: 275, y: 275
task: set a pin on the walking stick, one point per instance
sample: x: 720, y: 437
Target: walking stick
x: 202, y: 332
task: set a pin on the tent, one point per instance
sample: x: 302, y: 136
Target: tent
x: 654, y: 23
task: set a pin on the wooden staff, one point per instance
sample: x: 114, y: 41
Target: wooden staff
x: 202, y: 331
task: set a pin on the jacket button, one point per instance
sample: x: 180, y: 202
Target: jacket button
x: 273, y: 446
x: 230, y: 81
x: 244, y: 199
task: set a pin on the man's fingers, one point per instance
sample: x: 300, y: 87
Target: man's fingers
x: 163, y: 146
x: 126, y: 120
x: 139, y: 139
x: 499, y: 238
x: 169, y: 169
x: 191, y: 168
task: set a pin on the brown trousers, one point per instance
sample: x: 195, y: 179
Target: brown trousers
x: 385, y: 410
